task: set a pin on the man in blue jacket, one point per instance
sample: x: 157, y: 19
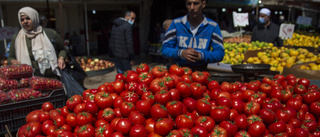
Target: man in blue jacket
x: 193, y: 40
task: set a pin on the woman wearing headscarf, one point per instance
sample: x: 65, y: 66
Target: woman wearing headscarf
x: 41, y: 48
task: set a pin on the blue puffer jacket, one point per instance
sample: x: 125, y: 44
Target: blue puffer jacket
x: 179, y: 37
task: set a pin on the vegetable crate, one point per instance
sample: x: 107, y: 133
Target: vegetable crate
x: 14, y: 114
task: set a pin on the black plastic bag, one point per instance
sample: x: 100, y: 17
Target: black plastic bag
x: 72, y: 87
x: 74, y: 68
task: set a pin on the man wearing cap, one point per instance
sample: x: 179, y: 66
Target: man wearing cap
x: 266, y: 30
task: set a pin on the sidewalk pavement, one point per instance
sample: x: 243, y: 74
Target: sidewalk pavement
x: 94, y: 82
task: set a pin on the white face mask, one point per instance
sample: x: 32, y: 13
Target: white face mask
x: 131, y: 22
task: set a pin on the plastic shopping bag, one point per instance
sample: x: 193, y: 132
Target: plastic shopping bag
x: 72, y: 87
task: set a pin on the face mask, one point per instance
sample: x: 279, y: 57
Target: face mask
x: 130, y: 22
x: 262, y: 21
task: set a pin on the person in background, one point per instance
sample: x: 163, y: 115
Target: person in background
x: 75, y: 42
x: 121, y: 42
x: 41, y: 48
x: 166, y: 24
x: 266, y: 30
x: 193, y: 40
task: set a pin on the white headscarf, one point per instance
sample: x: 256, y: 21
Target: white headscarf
x: 42, y: 49
x: 265, y: 11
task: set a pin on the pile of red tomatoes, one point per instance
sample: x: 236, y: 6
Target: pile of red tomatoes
x: 181, y: 103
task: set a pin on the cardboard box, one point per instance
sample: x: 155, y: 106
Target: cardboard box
x: 299, y: 73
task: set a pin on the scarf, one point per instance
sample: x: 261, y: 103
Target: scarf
x: 42, y: 48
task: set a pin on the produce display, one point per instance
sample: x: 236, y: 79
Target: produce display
x: 245, y: 39
x: 7, y: 84
x: 311, y: 66
x: 234, y: 52
x: 88, y: 64
x: 16, y: 71
x: 44, y: 84
x: 303, y: 40
x: 157, y: 102
x: 282, y: 57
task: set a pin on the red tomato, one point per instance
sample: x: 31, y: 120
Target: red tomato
x: 229, y: 127
x: 107, y: 114
x: 174, y: 108
x: 132, y: 76
x: 305, y: 82
x: 118, y: 87
x: 143, y: 67
x: 186, y: 78
x: 136, y: 118
x: 241, y: 122
x: 84, y: 118
x: 138, y: 131
x: 130, y: 97
x: 175, y: 69
x: 267, y: 115
x: 242, y: 133
x: 150, y: 125
x: 300, y: 132
x: 251, y: 108
x: 277, y: 127
x: 126, y: 108
x: 123, y: 126
x: 158, y: 72
x: 103, y: 100
x: 199, y: 131
x: 310, y: 96
x: 257, y: 129
x: 91, y: 108
x: 45, y: 126
x: 148, y: 96
x: 283, y: 115
x: 300, y: 89
x: 203, y: 107
x: 158, y: 111
x: 43, y: 116
x: 145, y: 77
x: 162, y: 97
x: 175, y: 94
x: 47, y: 106
x: 101, y: 122
x: 85, y: 131
x: 33, y: 116
x: 163, y: 126
x: 169, y: 82
x: 59, y: 121
x: 197, y: 90
x: 32, y: 129
x: 119, y: 76
x: 220, y: 113
x: 218, y: 132
x: 73, y: 102
x: 184, y: 89
x: 294, y: 103
x: 315, y: 108
x: 102, y: 87
x: 157, y: 85
x: 207, y: 122
x: 190, y: 103
x: 79, y: 108
x: 200, y: 77
x: 104, y: 131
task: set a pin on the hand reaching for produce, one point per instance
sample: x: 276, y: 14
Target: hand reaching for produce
x: 190, y: 55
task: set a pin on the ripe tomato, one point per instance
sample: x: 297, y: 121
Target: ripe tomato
x: 163, y: 126
x: 73, y: 102
x: 103, y: 131
x: 184, y: 89
x: 294, y: 103
x: 44, y: 127
x: 47, y: 106
x: 107, y: 114
x: 203, y: 107
x: 123, y: 126
x: 158, y: 72
x: 187, y: 70
x: 200, y: 77
x: 220, y: 113
x: 157, y: 85
x: 119, y: 76
x: 102, y: 87
x: 267, y: 115
x: 132, y: 76
x: 175, y: 69
x: 84, y: 118
x: 158, y: 111
x: 144, y: 107
x: 257, y: 129
x: 33, y: 116
x: 300, y: 89
x: 199, y: 131
x: 130, y: 97
x: 175, y: 94
x: 305, y: 82
x: 59, y: 121
x: 197, y: 90
x: 71, y: 119
x: 174, y: 108
x: 148, y: 96
x: 162, y: 97
x: 43, y: 116
x: 251, y: 107
x: 85, y: 131
x: 32, y: 129
x: 91, y: 108
x: 136, y: 118
x: 229, y: 127
x: 186, y: 78
x: 283, y: 115
x: 242, y: 133
x: 310, y: 96
x: 169, y: 82
x: 277, y: 127
x: 190, y: 103
x: 315, y: 108
x: 241, y: 122
x: 118, y: 87
x: 126, y: 108
x: 218, y: 132
x: 143, y: 67
x: 145, y: 77
x: 103, y: 100
x: 138, y: 131
x: 207, y: 122
x: 150, y: 125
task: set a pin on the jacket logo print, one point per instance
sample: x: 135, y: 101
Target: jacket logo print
x: 192, y: 42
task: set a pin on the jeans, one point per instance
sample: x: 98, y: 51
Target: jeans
x: 122, y: 65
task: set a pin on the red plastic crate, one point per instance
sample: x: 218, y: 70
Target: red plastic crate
x: 13, y: 114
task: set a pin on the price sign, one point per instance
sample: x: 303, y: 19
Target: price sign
x: 240, y: 19
x: 304, y: 20
x: 8, y: 32
x: 286, y: 31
